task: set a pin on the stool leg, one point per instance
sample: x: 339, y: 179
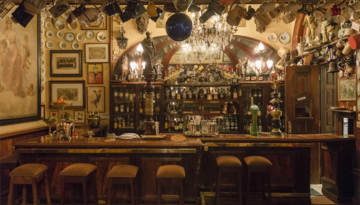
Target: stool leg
x: 11, y: 192
x: 262, y: 179
x: 109, y: 191
x: 247, y: 186
x: 62, y: 198
x: 72, y: 190
x: 24, y: 194
x: 95, y: 190
x: 238, y: 177
x: 84, y: 192
x: 47, y: 189
x: 269, y: 186
x: 132, y: 192
x: 218, y: 183
x: 182, y: 191
x: 158, y: 192
x: 34, y: 189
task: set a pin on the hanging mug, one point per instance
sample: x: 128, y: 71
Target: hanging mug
x: 263, y: 19
x: 235, y: 15
x: 61, y: 7
x: 266, y: 7
x: 151, y: 10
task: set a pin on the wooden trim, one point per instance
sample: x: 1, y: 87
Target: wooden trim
x: 299, y: 30
x: 21, y: 132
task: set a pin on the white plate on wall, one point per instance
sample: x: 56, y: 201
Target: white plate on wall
x: 80, y: 37
x: 76, y: 45
x: 62, y: 45
x: 60, y: 24
x: 70, y: 36
x: 101, y: 36
x: 48, y: 24
x: 49, y: 34
x: 90, y: 35
x: 50, y: 44
x: 284, y: 37
x: 60, y: 34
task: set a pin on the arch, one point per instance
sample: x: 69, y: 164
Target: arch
x: 299, y: 31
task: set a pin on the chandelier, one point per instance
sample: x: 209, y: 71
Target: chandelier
x: 207, y: 38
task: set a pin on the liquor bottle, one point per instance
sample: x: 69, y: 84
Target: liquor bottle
x: 202, y: 94
x: 123, y: 122
x: 132, y: 122
x: 119, y: 123
x: 140, y: 108
x: 115, y: 123
x: 169, y: 125
x: 234, y: 79
x: 128, y: 122
x: 184, y: 93
x: 216, y: 95
x: 232, y: 124
x: 223, y: 125
x: 116, y: 95
x: 131, y: 95
x: 144, y: 95
x: 132, y: 108
x: 178, y: 94
x: 190, y: 94
x: 157, y: 107
x: 173, y: 93
x: 253, y: 76
x: 176, y: 125
x: 121, y: 107
x: 172, y: 124
x: 128, y: 108
x: 167, y: 93
x: 116, y: 108
x: 187, y: 123
x: 236, y: 124
x: 120, y: 94
x: 227, y: 123
x: 235, y: 94
x: 260, y: 125
x: 221, y: 94
x: 259, y: 111
x: 209, y: 95
x: 181, y: 124
x: 247, y: 76
x: 127, y: 94
x: 157, y: 94
x: 166, y: 123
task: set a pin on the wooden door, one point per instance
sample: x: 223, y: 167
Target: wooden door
x: 328, y: 98
x: 302, y: 99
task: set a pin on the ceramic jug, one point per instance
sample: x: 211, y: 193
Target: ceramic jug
x: 235, y: 15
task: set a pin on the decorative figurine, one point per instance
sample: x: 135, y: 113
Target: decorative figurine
x: 310, y: 23
x: 323, y: 34
x: 285, y: 55
x: 142, y: 23
x: 330, y: 28
x: 300, y: 47
x: 149, y: 50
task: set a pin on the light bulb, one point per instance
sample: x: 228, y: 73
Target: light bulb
x: 133, y: 65
x: 258, y: 64
x: 261, y: 46
x: 139, y: 48
x: 269, y: 63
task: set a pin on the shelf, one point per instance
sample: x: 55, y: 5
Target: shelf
x: 133, y: 83
x: 199, y: 84
x: 201, y: 100
x: 312, y: 50
x: 144, y: 100
x: 219, y: 114
x: 344, y: 111
x: 155, y: 113
x: 231, y: 132
x: 124, y: 113
x: 124, y: 101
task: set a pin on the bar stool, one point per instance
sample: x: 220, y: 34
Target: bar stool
x: 261, y: 165
x: 228, y: 164
x: 122, y: 174
x: 79, y: 173
x: 29, y: 174
x: 163, y: 176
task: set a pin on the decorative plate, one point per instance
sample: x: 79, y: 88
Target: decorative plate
x: 49, y: 34
x: 60, y: 34
x: 284, y: 37
x: 42, y: 88
x: 62, y: 45
x: 42, y: 31
x: 42, y: 52
x: 101, y: 36
x: 48, y: 24
x: 50, y: 44
x: 42, y: 42
x: 90, y: 34
x: 72, y: 26
x: 42, y: 62
x: 42, y: 79
x: 70, y: 36
x: 43, y: 71
x: 60, y: 24
x: 80, y: 37
x: 272, y: 37
x: 75, y: 45
x: 188, y: 58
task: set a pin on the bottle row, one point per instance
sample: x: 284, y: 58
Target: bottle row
x: 208, y: 93
x: 129, y: 94
x: 124, y: 122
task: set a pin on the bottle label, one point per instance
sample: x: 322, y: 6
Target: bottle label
x: 235, y: 96
x: 121, y: 108
x: 126, y: 95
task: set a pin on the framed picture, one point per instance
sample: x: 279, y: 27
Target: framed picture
x: 96, y: 53
x: 100, y: 24
x: 42, y: 115
x: 79, y: 116
x: 347, y: 89
x: 95, y: 73
x: 226, y: 58
x: 217, y: 54
x: 54, y: 114
x: 20, y: 67
x: 71, y: 91
x: 66, y: 63
x: 96, y: 98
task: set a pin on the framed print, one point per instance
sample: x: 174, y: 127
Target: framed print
x: 54, y: 114
x: 95, y: 73
x: 226, y: 58
x: 70, y: 91
x: 347, y: 89
x: 79, y: 116
x: 96, y: 98
x: 20, y: 70
x: 42, y: 111
x: 99, y: 24
x: 96, y: 53
x: 66, y: 63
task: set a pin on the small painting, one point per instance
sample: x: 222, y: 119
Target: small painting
x: 42, y: 113
x: 97, y: 53
x: 95, y: 73
x: 99, y: 24
x: 347, y: 89
x: 226, y: 58
x: 96, y: 99
x: 54, y: 114
x: 65, y: 63
x: 70, y: 91
x: 79, y: 116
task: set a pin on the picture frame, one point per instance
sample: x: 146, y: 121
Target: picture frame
x: 79, y: 117
x: 71, y: 91
x: 97, y: 25
x: 217, y: 54
x: 27, y: 84
x: 54, y: 114
x: 96, y: 52
x: 42, y: 115
x: 96, y: 99
x: 95, y: 73
x: 226, y: 58
x: 347, y: 89
x: 66, y: 63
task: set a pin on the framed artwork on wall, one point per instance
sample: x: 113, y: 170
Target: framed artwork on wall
x: 70, y: 91
x: 54, y: 114
x: 20, y: 67
x: 100, y: 24
x: 66, y: 63
x: 96, y: 53
x: 96, y: 98
x: 79, y: 116
x: 226, y: 58
x: 95, y: 73
x: 347, y: 89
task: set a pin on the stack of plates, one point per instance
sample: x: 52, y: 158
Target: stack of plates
x: 128, y: 136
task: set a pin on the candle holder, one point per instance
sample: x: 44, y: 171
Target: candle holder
x: 49, y: 121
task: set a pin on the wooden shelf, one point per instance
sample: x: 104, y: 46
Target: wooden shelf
x: 124, y: 101
x: 201, y: 100
x: 344, y: 111
x: 134, y: 83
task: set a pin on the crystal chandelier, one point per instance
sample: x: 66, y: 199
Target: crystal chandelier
x: 208, y: 37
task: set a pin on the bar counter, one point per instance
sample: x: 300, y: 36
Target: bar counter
x: 290, y: 156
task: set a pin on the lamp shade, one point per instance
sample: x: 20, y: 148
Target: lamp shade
x: 179, y: 27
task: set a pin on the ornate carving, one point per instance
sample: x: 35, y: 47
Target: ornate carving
x: 142, y: 23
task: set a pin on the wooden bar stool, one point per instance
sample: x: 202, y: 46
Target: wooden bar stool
x: 261, y: 165
x: 228, y: 164
x: 167, y: 173
x: 122, y: 174
x: 29, y: 174
x: 79, y: 173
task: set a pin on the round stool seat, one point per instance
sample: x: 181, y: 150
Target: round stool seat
x: 257, y: 161
x: 125, y: 171
x: 78, y: 169
x: 228, y: 161
x: 171, y: 171
x: 28, y: 170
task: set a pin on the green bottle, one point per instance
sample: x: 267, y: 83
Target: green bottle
x: 254, y: 127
